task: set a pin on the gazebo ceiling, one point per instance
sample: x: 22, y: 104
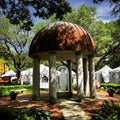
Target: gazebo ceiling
x: 62, y: 38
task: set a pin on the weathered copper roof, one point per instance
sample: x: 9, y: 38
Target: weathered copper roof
x: 61, y: 36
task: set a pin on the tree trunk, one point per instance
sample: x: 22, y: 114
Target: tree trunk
x: 18, y: 77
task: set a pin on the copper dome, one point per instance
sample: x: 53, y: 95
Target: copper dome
x: 63, y: 38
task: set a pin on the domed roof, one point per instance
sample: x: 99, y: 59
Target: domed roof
x: 62, y: 38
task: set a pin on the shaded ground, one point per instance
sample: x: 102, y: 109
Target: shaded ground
x: 24, y: 101
x: 90, y: 106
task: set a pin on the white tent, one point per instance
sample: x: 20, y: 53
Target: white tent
x: 27, y: 72
x: 115, y: 75
x: 102, y: 75
x: 10, y: 73
x: 44, y: 76
x: 26, y: 76
x: 74, y: 80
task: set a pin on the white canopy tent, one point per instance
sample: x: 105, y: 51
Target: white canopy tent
x: 115, y: 75
x: 10, y: 73
x: 26, y: 76
x: 102, y: 75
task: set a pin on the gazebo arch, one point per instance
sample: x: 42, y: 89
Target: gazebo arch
x: 60, y: 41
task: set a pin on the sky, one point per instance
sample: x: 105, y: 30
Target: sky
x: 103, y: 9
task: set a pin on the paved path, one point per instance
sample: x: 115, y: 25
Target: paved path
x: 72, y: 110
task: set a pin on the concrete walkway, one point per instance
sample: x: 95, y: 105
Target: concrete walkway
x: 72, y: 110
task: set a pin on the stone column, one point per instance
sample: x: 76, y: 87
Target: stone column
x: 52, y: 78
x: 92, y: 76
x: 70, y: 77
x: 79, y: 61
x: 86, y: 80
x: 36, y: 79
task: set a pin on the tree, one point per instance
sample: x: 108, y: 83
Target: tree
x: 39, y: 26
x: 84, y: 16
x: 103, y: 39
x: 113, y: 3
x: 14, y: 44
x: 112, y: 55
x: 107, y: 39
x: 18, y: 11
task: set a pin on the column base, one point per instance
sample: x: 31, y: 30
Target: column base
x: 35, y: 97
x: 52, y: 100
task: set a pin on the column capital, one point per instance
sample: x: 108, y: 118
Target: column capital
x: 79, y: 52
x: 53, y: 53
x: 90, y: 56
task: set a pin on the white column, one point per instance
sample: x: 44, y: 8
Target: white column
x: 52, y: 78
x: 92, y: 76
x: 70, y: 77
x: 79, y: 60
x: 36, y: 79
x: 86, y: 80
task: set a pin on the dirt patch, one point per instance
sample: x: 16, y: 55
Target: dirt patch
x: 91, y: 107
x: 24, y: 101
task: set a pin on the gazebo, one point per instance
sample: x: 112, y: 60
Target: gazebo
x: 64, y: 41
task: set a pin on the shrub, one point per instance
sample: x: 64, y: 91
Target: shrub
x: 106, y: 86
x: 25, y: 114
x: 109, y: 111
x: 118, y: 91
x: 8, y: 114
x: 74, y: 86
x: 111, y: 91
x: 5, y: 90
x: 34, y: 114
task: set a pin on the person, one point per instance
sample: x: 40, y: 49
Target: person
x: 97, y: 85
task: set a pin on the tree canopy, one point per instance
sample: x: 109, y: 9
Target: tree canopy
x: 109, y: 50
x: 18, y: 11
x: 115, y: 4
x: 13, y: 44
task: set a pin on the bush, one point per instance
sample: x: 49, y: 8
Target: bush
x: 74, y: 86
x: 34, y: 114
x: 25, y: 114
x: 106, y: 86
x: 111, y: 91
x: 8, y: 114
x: 118, y: 91
x: 109, y: 111
x: 5, y: 90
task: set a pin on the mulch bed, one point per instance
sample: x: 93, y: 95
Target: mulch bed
x: 93, y: 106
x: 24, y: 101
x: 90, y: 106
